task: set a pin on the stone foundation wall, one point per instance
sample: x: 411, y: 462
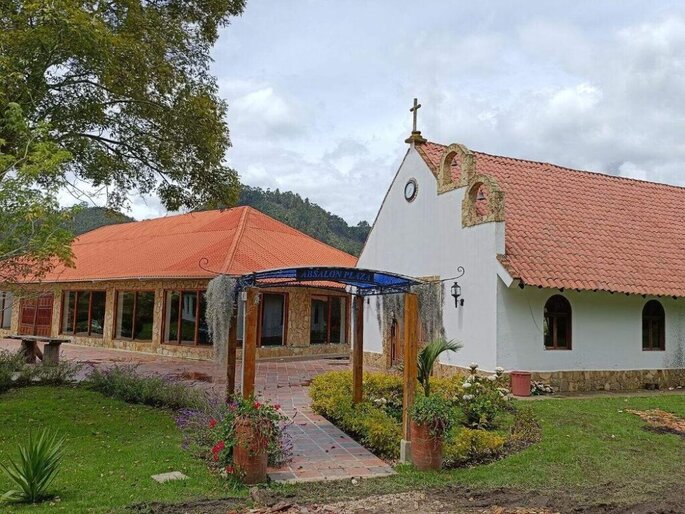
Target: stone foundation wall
x: 611, y: 380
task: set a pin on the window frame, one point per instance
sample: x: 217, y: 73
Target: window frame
x: 3, y: 314
x: 344, y: 329
x: 556, y: 315
x: 134, y: 312
x: 662, y: 328
x: 260, y: 327
x: 76, y: 292
x: 198, y: 292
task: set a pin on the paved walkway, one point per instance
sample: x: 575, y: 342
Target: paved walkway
x: 321, y: 451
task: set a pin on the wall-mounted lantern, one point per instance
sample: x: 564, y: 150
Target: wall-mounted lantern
x: 456, y: 289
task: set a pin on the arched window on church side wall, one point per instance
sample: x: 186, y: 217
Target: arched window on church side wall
x: 653, y: 326
x: 557, y: 323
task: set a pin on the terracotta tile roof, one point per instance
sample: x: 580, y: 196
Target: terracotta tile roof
x: 234, y: 241
x: 581, y: 230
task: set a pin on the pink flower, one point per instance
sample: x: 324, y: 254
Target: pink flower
x: 212, y: 423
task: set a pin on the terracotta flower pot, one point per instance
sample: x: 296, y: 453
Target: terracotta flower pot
x: 426, y: 449
x: 520, y: 383
x: 250, y: 454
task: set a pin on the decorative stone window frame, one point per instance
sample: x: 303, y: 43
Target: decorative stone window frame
x: 468, y: 167
x: 495, y: 211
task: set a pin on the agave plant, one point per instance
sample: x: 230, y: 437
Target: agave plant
x: 427, y: 358
x: 38, y: 465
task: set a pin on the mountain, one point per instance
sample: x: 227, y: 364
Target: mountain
x: 90, y: 218
x: 288, y: 207
x: 308, y: 217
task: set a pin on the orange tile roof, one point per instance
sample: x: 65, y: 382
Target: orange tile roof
x: 234, y: 241
x: 581, y: 230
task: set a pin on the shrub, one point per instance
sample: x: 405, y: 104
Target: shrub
x: 125, y: 383
x: 469, y: 446
x: 483, y: 398
x: 433, y: 411
x: 38, y: 465
x: 15, y: 372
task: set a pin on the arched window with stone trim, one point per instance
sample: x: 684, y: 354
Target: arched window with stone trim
x: 557, y: 323
x: 653, y: 326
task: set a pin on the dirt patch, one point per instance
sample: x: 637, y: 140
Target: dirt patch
x: 661, y: 421
x: 221, y: 506
x: 195, y: 376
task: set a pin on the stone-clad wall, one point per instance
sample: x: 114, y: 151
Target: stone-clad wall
x: 574, y: 381
x: 299, y: 307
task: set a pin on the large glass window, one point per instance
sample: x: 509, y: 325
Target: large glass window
x: 272, y: 331
x: 557, y: 323
x: 6, y: 302
x: 184, y: 318
x: 135, y: 312
x: 328, y: 319
x: 83, y: 312
x: 653, y: 326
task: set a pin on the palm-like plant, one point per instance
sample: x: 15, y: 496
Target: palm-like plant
x: 37, y: 467
x: 427, y: 358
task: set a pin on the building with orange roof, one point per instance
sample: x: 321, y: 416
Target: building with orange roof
x: 577, y: 277
x: 140, y: 286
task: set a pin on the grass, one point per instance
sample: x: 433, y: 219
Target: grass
x: 112, y: 448
x: 592, y: 450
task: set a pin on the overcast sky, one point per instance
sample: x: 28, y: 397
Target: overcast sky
x: 319, y: 91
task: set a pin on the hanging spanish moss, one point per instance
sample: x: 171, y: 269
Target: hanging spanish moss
x: 430, y: 298
x: 221, y: 296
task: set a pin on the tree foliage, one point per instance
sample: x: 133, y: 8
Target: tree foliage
x: 33, y: 237
x: 126, y: 90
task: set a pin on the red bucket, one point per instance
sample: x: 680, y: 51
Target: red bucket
x: 520, y: 383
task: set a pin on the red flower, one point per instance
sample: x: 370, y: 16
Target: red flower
x: 212, y: 423
x: 229, y: 469
x: 257, y: 405
x: 217, y: 449
x: 277, y: 407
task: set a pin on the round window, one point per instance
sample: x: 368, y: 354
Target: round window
x: 410, y: 190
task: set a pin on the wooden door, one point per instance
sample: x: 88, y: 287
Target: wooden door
x: 35, y: 318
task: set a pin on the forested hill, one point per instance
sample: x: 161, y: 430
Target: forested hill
x: 90, y: 218
x: 292, y: 209
x: 288, y: 207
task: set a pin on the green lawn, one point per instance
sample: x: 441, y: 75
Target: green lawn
x: 112, y: 448
x: 578, y: 457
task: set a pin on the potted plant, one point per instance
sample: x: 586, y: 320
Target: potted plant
x: 251, y: 435
x: 430, y: 415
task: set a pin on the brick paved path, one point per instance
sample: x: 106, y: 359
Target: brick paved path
x: 320, y: 450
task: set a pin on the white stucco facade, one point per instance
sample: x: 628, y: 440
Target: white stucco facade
x: 501, y: 324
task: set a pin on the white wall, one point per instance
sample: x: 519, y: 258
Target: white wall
x: 606, y: 332
x: 425, y: 238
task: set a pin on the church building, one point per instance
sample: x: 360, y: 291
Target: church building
x: 577, y: 277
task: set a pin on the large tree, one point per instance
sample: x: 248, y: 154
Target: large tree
x: 124, y: 87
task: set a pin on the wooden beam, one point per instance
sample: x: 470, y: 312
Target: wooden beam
x: 411, y: 332
x: 358, y: 350
x: 250, y: 342
x: 232, y: 350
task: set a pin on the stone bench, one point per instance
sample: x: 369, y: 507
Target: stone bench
x: 31, y: 350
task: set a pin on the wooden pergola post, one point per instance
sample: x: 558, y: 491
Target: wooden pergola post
x: 250, y: 342
x: 232, y: 350
x: 411, y: 331
x: 358, y: 350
